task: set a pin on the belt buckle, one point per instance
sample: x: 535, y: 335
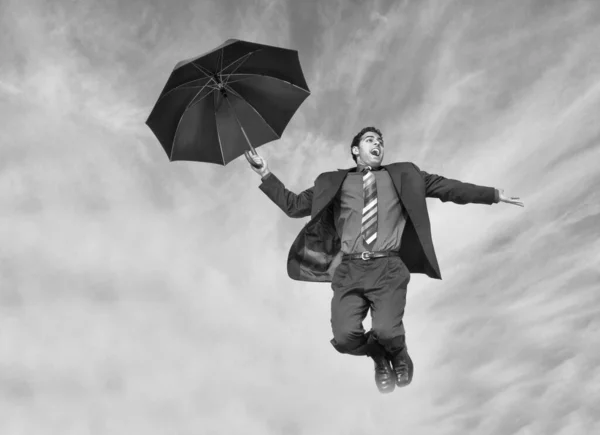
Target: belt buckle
x: 366, y: 255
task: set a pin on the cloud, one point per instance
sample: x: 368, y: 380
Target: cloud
x: 10, y: 88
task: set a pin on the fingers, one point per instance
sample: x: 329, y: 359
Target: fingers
x: 256, y: 158
x: 513, y: 200
x: 257, y: 163
x: 260, y: 162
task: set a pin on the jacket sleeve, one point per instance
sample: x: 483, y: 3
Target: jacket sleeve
x: 293, y: 205
x: 458, y: 192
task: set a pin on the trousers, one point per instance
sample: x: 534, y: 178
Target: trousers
x: 378, y: 284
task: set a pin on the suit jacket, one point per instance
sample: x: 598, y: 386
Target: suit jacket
x: 315, y: 253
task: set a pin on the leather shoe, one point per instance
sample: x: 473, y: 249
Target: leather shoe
x: 385, y: 378
x: 403, y: 368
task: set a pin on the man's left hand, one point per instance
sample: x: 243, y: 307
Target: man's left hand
x: 509, y: 199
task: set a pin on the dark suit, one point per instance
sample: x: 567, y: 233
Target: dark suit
x: 315, y: 253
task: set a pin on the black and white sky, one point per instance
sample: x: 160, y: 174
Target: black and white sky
x: 143, y: 296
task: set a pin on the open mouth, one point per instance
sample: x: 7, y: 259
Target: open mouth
x: 376, y: 152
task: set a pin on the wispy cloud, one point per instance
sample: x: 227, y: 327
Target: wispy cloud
x: 147, y: 295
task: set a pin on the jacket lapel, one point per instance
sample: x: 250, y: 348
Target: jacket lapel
x: 405, y: 188
x: 397, y: 176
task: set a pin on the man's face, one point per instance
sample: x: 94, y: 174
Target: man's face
x: 370, y: 150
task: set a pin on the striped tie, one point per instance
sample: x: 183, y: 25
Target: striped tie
x: 369, y: 216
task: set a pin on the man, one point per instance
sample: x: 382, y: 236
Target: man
x: 369, y: 230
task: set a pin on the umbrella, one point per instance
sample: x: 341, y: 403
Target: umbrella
x: 215, y: 106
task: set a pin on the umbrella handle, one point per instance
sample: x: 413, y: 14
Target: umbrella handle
x: 252, y: 162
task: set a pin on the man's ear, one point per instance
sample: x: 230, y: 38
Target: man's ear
x: 355, y: 150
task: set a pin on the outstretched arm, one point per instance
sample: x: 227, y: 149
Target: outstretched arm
x: 293, y: 205
x: 458, y: 192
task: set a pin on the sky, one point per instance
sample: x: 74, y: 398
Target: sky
x: 139, y: 295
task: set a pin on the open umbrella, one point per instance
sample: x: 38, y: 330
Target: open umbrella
x: 240, y: 95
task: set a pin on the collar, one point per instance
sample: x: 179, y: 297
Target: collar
x: 361, y: 168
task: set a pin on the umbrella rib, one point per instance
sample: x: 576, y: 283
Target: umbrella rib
x: 190, y: 104
x: 207, y: 76
x: 218, y: 134
x: 220, y: 59
x: 243, y: 59
x: 239, y: 80
x: 271, y: 77
x: 191, y: 81
x: 220, y: 64
x: 180, y: 86
x: 221, y: 69
x: 253, y: 108
x: 205, y: 72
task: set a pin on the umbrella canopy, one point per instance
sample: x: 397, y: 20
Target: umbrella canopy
x: 240, y: 95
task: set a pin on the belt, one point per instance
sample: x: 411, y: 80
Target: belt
x: 367, y: 255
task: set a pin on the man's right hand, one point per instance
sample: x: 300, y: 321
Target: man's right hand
x: 263, y: 170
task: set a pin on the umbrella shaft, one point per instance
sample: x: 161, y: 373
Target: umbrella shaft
x: 239, y: 123
x: 246, y: 136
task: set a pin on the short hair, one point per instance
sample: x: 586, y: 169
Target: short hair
x: 356, y: 139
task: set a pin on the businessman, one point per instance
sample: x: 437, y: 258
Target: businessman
x: 369, y: 230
